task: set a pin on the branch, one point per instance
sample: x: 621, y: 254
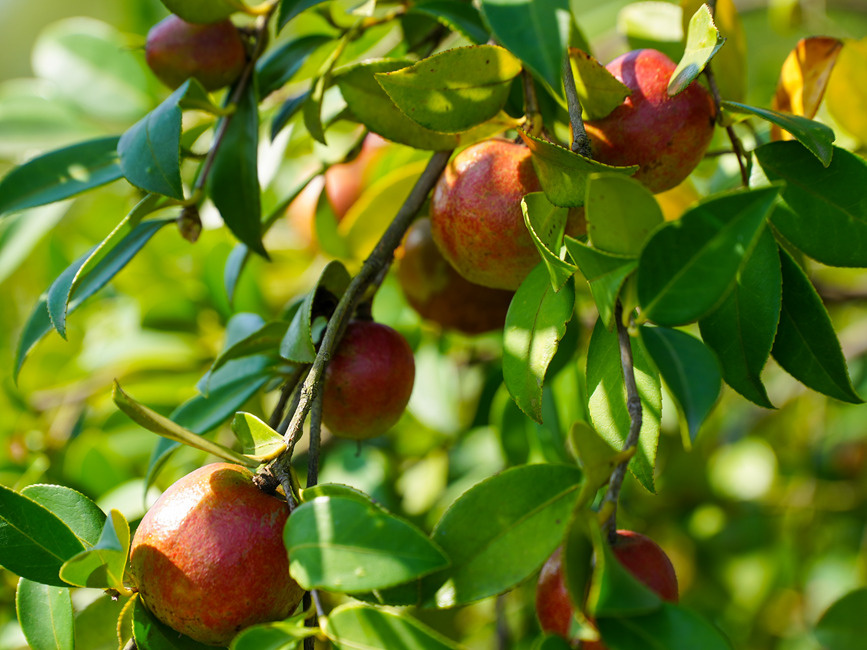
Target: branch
x: 580, y: 141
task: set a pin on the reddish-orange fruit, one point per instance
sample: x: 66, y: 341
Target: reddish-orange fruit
x: 208, y: 558
x: 476, y: 216
x: 212, y: 53
x: 638, y: 553
x: 440, y: 294
x: 368, y: 382
x: 666, y: 136
x: 344, y: 182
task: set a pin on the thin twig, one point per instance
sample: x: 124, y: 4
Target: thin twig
x: 315, y: 441
x: 285, y: 393
x: 580, y: 141
x: 309, y: 642
x: 503, y: 635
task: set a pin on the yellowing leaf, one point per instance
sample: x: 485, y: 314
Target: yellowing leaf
x: 600, y: 91
x: 847, y: 90
x: 803, y: 79
x: 730, y: 63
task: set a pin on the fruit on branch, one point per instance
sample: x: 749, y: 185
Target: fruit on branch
x: 203, y: 11
x: 442, y: 295
x: 666, y: 136
x: 208, y: 558
x: 639, y: 554
x: 214, y: 54
x: 368, y: 381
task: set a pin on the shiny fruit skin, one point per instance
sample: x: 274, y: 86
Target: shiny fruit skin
x: 213, y: 54
x: 553, y: 606
x: 368, y: 381
x: 202, y: 11
x: 666, y: 136
x: 476, y: 216
x: 208, y: 558
x: 440, y: 294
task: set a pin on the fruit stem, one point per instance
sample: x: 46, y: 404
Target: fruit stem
x: 580, y: 141
x: 531, y: 106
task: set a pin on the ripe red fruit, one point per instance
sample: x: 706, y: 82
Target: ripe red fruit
x: 666, y: 136
x: 208, y: 558
x: 212, y: 53
x: 368, y: 381
x: 639, y: 554
x: 440, y: 294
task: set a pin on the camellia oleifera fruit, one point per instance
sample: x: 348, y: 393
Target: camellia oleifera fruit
x: 208, y: 558
x: 213, y: 54
x: 368, y: 381
x: 439, y: 293
x: 666, y: 136
x: 639, y: 554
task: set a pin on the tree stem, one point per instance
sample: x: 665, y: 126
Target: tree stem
x: 580, y: 141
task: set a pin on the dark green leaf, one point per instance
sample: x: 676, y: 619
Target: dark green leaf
x: 456, y: 15
x: 842, y: 625
x: 546, y: 223
x: 78, y: 512
x: 621, y: 213
x: 614, y: 590
x: 552, y: 642
x: 672, y: 627
x: 690, y: 371
x: 825, y: 215
x: 535, y: 323
x: 358, y: 627
x: 291, y: 8
x: 689, y: 265
x: 604, y: 272
x: 281, y: 63
x: 264, y: 340
x: 286, y: 112
x: 703, y: 40
x: 741, y: 330
x: 312, y: 108
x: 348, y: 545
x: 806, y: 345
x: 151, y: 634
x: 45, y: 615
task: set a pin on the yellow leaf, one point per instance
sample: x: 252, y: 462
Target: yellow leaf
x: 846, y: 96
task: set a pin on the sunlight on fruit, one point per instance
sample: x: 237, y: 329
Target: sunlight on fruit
x: 744, y: 470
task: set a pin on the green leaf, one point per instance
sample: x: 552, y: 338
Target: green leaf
x: 655, y: 25
x: 536, y: 31
x: 604, y: 272
x: 454, y: 90
x: 690, y: 371
x: 60, y: 174
x: 102, y: 566
x: 258, y: 440
x: 233, y: 183
x: 287, y: 111
x: 457, y: 16
x: 703, y: 41
x: 291, y: 8
x: 535, y: 323
x: 599, y: 91
x: 597, y: 459
x: 741, y: 330
x: 621, y: 213
x: 563, y: 173
x: 493, y: 549
x: 348, y: 545
x: 333, y: 490
x: 359, y: 627
x: 607, y: 399
x: 39, y: 323
x: 153, y: 421
x: 280, y: 64
x: 281, y: 635
x: 83, y: 517
x: 614, y: 591
x: 546, y: 223
x: 45, y: 615
x: 824, y: 215
x: 817, y: 137
x: 806, y: 345
x: 671, y: 627
x: 551, y: 642
x: 841, y: 627
x: 151, y: 634
x: 34, y: 542
x: 689, y: 265
x: 264, y: 340
x: 312, y: 108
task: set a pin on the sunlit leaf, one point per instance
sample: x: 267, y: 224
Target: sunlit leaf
x: 150, y: 633
x: 102, y: 566
x: 621, y: 213
x: 730, y: 62
x: 358, y: 627
x: 77, y: 511
x: 604, y: 272
x: 599, y: 91
x: 258, y: 440
x: 45, y: 615
x: 546, y: 223
x: 840, y: 627
x: 703, y: 41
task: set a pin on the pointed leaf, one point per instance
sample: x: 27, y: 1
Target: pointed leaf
x: 258, y: 440
x: 599, y: 91
x: 621, y: 213
x: 281, y: 63
x: 102, y: 566
x: 291, y: 8
x: 546, y: 223
x: 358, y: 627
x: 45, y: 615
x: 730, y: 63
x: 690, y: 371
x: 841, y: 626
x: 806, y: 345
x: 703, y: 41
x: 672, y: 627
x: 604, y: 272
x: 81, y: 515
x: 287, y: 111
x: 457, y: 16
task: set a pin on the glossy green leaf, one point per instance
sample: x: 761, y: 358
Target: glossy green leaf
x: 455, y: 15
x: 671, y: 627
x: 703, y: 41
x: 536, y: 31
x: 264, y: 340
x: 151, y: 634
x: 621, y: 213
x: 841, y: 626
x: 824, y: 215
x: 563, y: 173
x: 333, y: 490
x: 546, y: 223
x: 281, y: 635
x: 806, y: 345
x: 287, y: 111
x: 281, y: 63
x: 815, y: 136
x: 233, y: 183
x: 614, y: 590
x: 312, y: 108
x: 81, y: 515
x: 34, y: 542
x: 607, y: 399
x: 60, y: 174
x: 102, y: 566
x: 599, y: 91
x: 290, y: 8
x: 596, y: 457
x: 689, y: 265
x: 690, y: 371
x: 45, y: 615
x: 604, y: 272
x: 346, y: 545
x: 535, y: 323
x: 358, y: 627
x: 741, y: 330
x: 730, y: 63
x: 454, y: 90
x: 258, y: 440
x: 493, y: 549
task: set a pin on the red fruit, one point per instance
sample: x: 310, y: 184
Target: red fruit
x: 368, y: 382
x: 440, y: 294
x: 476, y: 217
x: 208, y: 558
x: 212, y: 53
x: 344, y: 182
x: 553, y: 604
x: 666, y: 136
